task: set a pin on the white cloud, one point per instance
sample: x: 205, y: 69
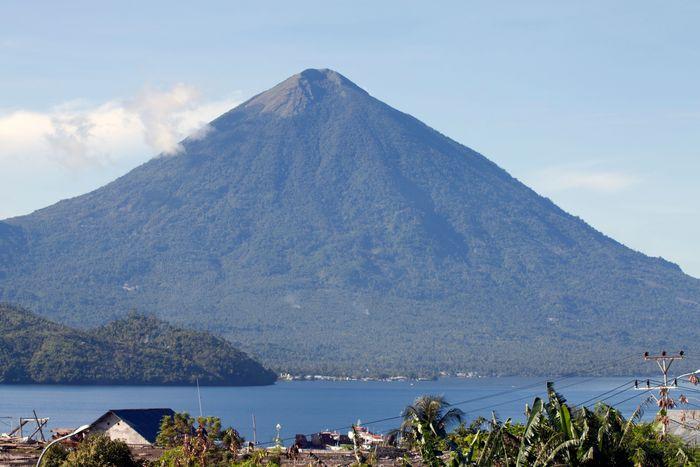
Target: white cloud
x: 77, y: 135
x: 73, y: 138
x: 557, y: 179
x: 164, y: 116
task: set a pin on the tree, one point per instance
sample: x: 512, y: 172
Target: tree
x: 425, y: 424
x: 100, y: 451
x: 432, y: 411
x: 203, y: 444
x: 232, y: 440
x: 174, y: 429
x: 55, y: 456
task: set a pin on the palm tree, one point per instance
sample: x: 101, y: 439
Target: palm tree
x: 431, y: 412
x: 425, y: 424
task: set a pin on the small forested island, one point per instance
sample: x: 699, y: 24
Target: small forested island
x: 138, y: 349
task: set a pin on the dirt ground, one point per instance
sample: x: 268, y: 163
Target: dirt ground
x: 18, y: 455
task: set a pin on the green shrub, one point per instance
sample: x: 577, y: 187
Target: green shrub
x: 55, y: 456
x: 100, y: 451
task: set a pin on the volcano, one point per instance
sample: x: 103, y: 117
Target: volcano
x: 324, y: 231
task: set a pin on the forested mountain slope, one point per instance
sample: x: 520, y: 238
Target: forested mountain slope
x: 331, y: 233
x: 134, y: 350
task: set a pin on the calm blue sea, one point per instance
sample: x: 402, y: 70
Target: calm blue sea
x: 300, y: 406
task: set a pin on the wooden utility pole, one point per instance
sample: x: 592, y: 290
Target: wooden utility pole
x: 39, y: 425
x: 664, y: 400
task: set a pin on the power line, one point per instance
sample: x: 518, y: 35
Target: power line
x: 688, y: 388
x: 663, y: 360
x: 476, y: 399
x: 615, y: 394
x: 597, y: 397
x: 630, y: 398
x: 488, y: 396
x: 684, y: 425
x: 538, y: 383
x: 529, y: 396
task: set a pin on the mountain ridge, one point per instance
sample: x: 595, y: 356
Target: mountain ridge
x: 314, y: 208
x: 137, y: 349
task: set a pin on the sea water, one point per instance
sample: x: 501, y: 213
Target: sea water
x: 305, y: 406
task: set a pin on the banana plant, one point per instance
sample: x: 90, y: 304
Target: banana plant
x: 530, y: 437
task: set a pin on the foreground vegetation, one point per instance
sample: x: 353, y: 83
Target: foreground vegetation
x: 432, y: 433
x: 95, y: 451
x: 554, y: 434
x: 135, y: 350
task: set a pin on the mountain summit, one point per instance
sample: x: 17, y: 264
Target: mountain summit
x: 327, y: 232
x: 299, y: 92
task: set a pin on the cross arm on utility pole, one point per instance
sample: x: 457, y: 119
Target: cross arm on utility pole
x: 664, y: 400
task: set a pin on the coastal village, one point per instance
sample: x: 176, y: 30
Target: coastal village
x: 139, y: 428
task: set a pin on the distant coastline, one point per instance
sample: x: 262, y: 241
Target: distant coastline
x: 299, y: 377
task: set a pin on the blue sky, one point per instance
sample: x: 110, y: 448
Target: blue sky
x: 593, y: 104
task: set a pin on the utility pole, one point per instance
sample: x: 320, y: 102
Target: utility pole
x: 199, y: 398
x: 255, y: 433
x: 664, y: 400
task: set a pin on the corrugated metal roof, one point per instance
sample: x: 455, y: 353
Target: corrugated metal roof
x: 685, y: 424
x: 145, y: 422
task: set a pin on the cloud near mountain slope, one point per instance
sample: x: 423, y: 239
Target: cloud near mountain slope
x: 328, y: 232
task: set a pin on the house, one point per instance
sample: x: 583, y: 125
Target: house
x: 367, y: 439
x: 322, y: 440
x: 685, y: 424
x: 133, y: 426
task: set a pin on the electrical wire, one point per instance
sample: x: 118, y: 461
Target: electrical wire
x: 630, y: 398
x: 684, y: 425
x: 597, y: 397
x: 487, y: 396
